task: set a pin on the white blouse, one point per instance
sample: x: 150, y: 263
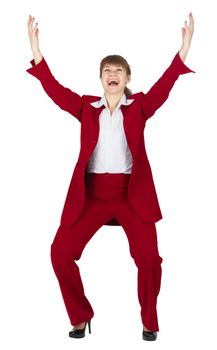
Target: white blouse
x: 111, y: 153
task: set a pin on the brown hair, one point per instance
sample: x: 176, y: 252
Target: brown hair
x: 117, y: 59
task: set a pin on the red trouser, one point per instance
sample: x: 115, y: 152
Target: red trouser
x: 106, y: 198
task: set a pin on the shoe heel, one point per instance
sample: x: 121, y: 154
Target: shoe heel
x: 89, y: 326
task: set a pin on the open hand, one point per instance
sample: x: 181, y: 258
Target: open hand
x: 187, y: 32
x: 33, y: 32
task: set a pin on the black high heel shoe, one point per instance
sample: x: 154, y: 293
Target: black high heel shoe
x: 80, y: 333
x: 146, y: 335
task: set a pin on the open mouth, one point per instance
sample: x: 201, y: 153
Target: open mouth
x: 113, y: 83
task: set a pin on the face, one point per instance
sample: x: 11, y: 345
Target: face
x: 114, y: 78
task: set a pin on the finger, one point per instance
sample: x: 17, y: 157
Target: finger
x: 33, y: 18
x: 30, y: 23
x: 36, y: 27
x: 191, y: 23
x: 191, y: 18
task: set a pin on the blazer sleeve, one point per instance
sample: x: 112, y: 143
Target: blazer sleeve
x: 159, y: 92
x: 66, y: 99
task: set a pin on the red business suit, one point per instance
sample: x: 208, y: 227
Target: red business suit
x: 94, y: 202
x: 141, y: 193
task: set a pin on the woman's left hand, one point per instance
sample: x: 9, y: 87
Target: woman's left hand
x: 187, y: 33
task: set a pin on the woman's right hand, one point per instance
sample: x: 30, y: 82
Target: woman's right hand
x: 33, y: 32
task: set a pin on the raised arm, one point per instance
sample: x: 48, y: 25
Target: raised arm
x: 159, y: 92
x: 65, y: 98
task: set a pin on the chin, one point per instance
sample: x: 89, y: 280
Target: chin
x: 115, y: 92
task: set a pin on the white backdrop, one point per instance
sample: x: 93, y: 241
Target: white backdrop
x: 39, y: 148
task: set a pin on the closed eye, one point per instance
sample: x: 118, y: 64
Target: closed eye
x: 120, y: 69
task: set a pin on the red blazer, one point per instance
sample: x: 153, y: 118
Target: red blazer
x: 141, y: 189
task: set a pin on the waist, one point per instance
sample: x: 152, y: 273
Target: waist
x: 123, y: 175
x: 107, y: 178
x: 110, y: 182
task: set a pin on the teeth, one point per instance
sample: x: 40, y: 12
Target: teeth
x: 113, y: 81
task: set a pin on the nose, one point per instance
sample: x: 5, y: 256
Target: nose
x: 113, y: 76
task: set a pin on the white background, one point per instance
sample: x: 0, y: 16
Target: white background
x: 39, y: 148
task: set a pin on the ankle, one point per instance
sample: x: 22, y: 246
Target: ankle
x: 79, y: 325
x: 146, y: 329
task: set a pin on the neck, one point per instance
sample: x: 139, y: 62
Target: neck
x: 112, y: 100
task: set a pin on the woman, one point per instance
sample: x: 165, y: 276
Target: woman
x: 112, y: 182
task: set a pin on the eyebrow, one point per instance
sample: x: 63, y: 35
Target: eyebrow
x: 110, y: 66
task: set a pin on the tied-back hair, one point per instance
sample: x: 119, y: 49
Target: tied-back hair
x: 117, y: 59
